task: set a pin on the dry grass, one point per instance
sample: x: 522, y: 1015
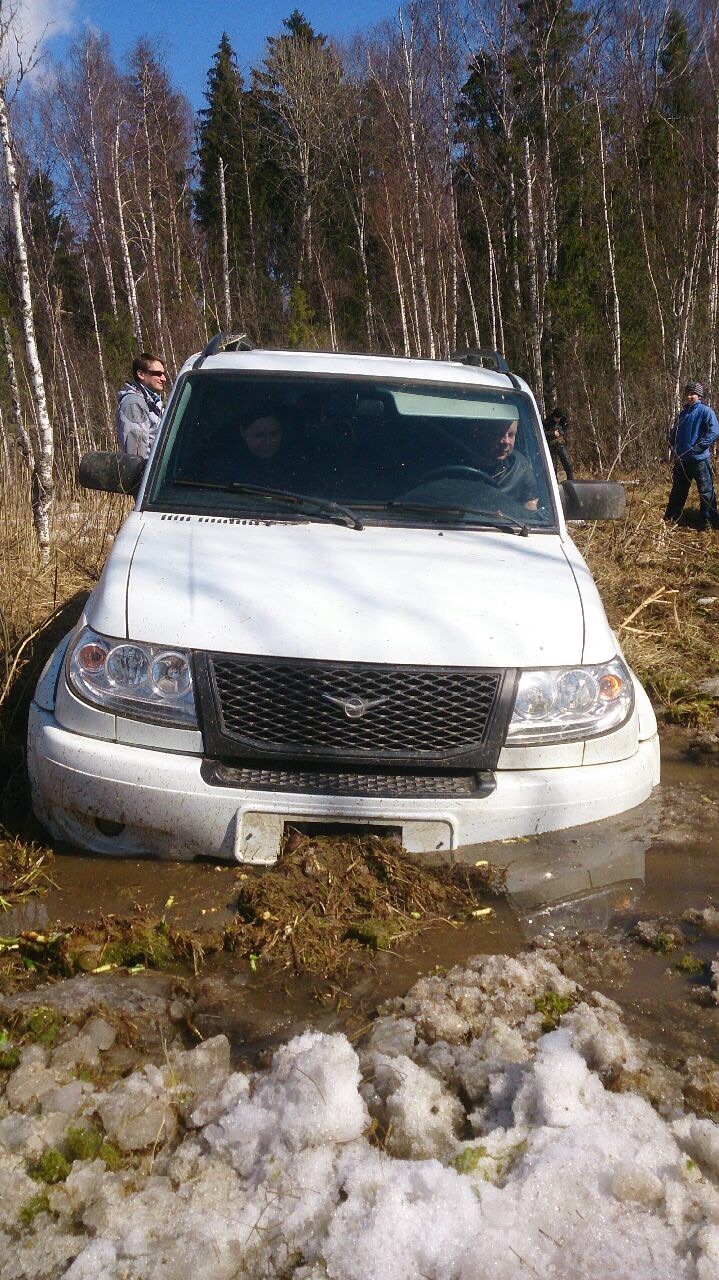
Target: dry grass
x: 652, y: 578
x: 38, y: 605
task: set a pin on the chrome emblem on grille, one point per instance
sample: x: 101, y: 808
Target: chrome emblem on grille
x: 354, y: 707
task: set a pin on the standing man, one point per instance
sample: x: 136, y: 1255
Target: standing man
x: 556, y: 429
x: 139, y: 405
x: 690, y: 439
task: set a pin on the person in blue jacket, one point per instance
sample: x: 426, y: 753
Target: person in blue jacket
x: 690, y: 439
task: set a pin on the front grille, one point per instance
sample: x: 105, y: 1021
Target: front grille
x: 412, y: 786
x: 256, y: 707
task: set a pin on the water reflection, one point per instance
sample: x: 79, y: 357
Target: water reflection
x: 568, y: 881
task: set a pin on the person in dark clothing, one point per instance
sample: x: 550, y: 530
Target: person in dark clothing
x: 556, y: 429
x: 252, y: 450
x: 508, y: 470
x: 691, y: 436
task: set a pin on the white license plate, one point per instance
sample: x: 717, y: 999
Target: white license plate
x: 259, y: 836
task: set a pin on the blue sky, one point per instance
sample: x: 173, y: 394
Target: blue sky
x: 188, y: 31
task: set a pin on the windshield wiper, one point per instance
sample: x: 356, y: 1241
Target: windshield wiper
x: 323, y: 505
x: 495, y: 520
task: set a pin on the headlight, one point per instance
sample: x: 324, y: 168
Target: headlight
x: 566, y: 704
x: 147, y: 681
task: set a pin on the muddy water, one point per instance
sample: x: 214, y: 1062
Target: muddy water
x: 594, y: 881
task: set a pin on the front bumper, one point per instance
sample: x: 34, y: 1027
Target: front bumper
x: 165, y: 808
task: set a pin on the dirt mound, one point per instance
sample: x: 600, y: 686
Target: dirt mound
x: 328, y: 895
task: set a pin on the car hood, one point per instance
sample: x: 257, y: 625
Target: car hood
x: 315, y: 590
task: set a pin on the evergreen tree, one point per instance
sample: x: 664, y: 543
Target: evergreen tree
x: 234, y: 127
x: 219, y: 137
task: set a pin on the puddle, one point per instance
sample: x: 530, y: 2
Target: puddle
x: 595, y: 881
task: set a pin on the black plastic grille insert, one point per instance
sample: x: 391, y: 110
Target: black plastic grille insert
x: 356, y: 711
x: 336, y: 782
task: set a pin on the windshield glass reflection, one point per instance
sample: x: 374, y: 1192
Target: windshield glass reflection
x: 399, y: 452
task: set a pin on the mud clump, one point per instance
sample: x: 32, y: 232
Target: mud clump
x: 326, y: 897
x: 138, y: 942
x: 703, y: 747
x: 590, y: 958
x: 661, y: 936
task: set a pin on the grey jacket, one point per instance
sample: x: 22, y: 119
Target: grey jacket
x: 138, y: 413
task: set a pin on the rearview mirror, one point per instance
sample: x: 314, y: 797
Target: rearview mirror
x: 111, y: 472
x: 592, y: 499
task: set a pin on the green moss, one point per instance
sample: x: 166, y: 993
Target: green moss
x: 42, y: 1026
x: 663, y: 943
x: 681, y: 702
x: 29, y: 1211
x: 9, y: 1055
x: 52, y: 1167
x: 147, y: 943
x: 466, y: 1160
x: 89, y: 1074
x: 552, y: 1006
x: 89, y: 1144
x: 377, y: 934
x: 689, y: 964
x: 469, y: 1160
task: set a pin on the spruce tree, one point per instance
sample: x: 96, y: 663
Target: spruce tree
x: 219, y: 137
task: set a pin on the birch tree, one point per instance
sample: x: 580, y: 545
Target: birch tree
x: 43, y: 458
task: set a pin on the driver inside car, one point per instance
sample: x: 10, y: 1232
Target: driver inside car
x: 491, y: 450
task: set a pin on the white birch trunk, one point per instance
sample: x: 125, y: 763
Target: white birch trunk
x: 447, y: 97
x: 394, y: 258
x: 615, y: 323
x: 714, y: 254
x: 98, y: 341
x: 250, y: 223
x: 102, y: 237
x: 155, y: 286
x: 74, y: 428
x: 470, y: 292
x: 411, y: 160
x: 5, y: 448
x: 329, y: 300
x: 42, y: 505
x: 535, y: 334
x: 224, y: 246
x: 26, y: 448
x: 130, y: 285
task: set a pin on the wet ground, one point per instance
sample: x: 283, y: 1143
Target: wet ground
x: 581, y: 890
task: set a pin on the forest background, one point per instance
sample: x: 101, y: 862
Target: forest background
x: 536, y: 176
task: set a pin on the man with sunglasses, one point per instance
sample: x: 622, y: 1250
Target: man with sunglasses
x: 139, y: 405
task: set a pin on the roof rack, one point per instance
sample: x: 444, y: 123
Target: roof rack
x: 224, y: 342
x: 477, y: 355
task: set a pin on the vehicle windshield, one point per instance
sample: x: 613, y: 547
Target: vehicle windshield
x: 383, y: 451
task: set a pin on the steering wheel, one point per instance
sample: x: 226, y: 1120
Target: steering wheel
x: 454, y: 471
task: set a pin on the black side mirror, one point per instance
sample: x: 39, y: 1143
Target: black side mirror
x: 111, y: 472
x: 592, y: 499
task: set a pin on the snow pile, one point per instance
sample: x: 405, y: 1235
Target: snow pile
x: 464, y: 1141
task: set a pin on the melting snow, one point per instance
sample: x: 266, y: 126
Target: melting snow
x: 460, y: 1142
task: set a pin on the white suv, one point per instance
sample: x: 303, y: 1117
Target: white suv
x: 346, y: 597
